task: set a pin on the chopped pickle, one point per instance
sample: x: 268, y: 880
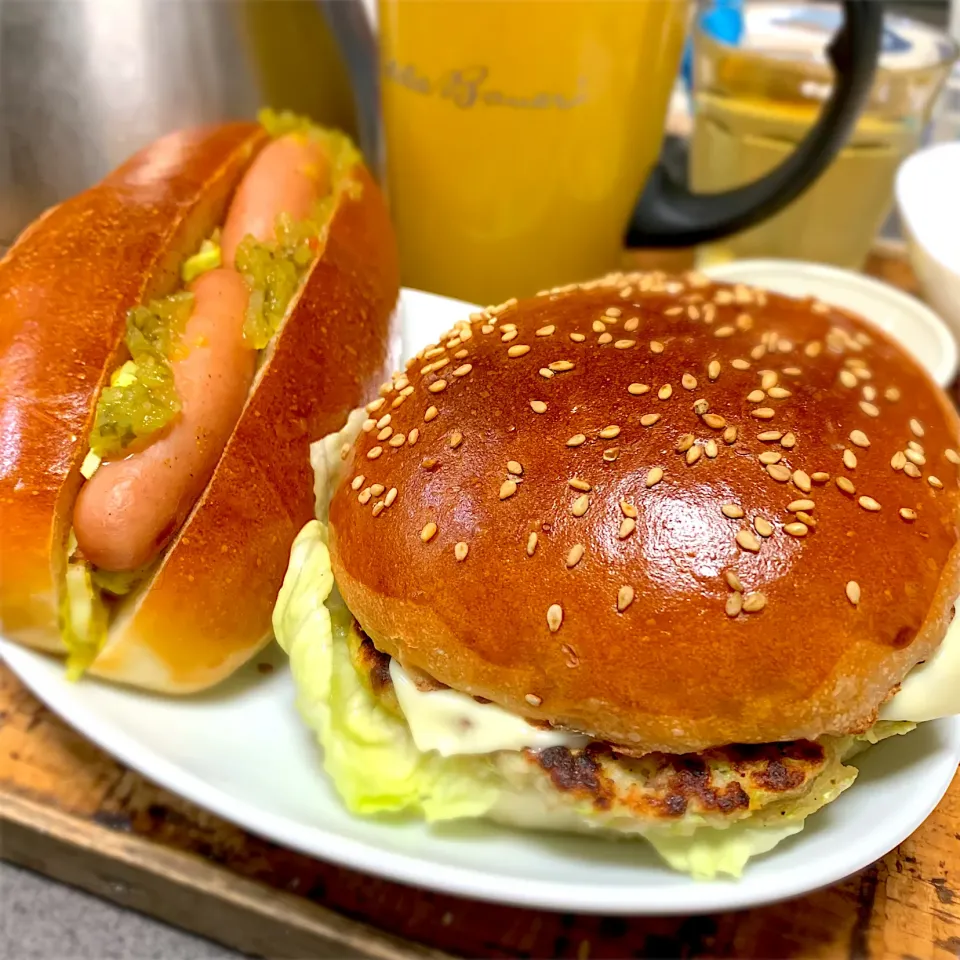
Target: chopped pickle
x: 141, y: 397
x: 207, y: 258
x: 117, y: 583
x: 83, y: 619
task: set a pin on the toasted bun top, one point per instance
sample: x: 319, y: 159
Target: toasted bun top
x: 556, y: 508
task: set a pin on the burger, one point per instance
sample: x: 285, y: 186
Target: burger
x: 649, y: 555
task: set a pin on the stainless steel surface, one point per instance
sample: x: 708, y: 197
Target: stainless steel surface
x: 85, y: 83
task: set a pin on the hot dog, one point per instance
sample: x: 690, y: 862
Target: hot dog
x: 172, y: 341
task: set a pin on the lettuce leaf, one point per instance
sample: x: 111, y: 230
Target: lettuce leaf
x: 368, y: 753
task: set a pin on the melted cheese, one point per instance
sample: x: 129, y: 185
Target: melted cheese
x: 453, y: 723
x: 932, y: 689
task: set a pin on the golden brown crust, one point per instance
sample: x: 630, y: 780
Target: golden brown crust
x: 208, y: 609
x: 65, y: 289
x: 670, y: 670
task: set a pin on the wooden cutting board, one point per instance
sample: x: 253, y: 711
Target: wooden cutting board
x: 71, y: 812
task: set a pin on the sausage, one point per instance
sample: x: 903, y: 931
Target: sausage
x: 288, y: 176
x: 130, y: 509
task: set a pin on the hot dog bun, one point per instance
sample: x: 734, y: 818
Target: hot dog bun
x: 206, y: 607
x: 65, y: 289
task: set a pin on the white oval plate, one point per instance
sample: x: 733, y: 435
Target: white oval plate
x: 242, y: 752
x: 911, y: 323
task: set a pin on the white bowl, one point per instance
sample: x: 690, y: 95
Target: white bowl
x: 928, y: 197
x: 911, y: 323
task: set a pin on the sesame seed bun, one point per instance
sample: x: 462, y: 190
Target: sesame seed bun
x: 668, y: 513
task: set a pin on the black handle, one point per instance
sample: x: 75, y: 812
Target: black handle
x: 669, y: 214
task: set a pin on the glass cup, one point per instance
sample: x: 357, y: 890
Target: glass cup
x: 754, y: 100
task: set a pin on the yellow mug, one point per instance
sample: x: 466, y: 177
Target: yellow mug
x: 518, y: 135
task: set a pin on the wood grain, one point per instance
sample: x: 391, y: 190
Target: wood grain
x: 70, y: 811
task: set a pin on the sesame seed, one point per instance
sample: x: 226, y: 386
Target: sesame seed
x: 763, y: 413
x: 685, y: 443
x: 654, y: 476
x: 437, y: 386
x: 754, y: 602
x: 514, y: 467
x: 631, y: 324
x: 390, y: 497
x: 546, y: 331
x: 869, y: 409
x: 576, y: 440
x: 511, y: 334
x: 869, y: 393
x: 531, y: 544
x: 463, y: 370
x: 627, y: 526
x: 538, y: 406
x: 624, y: 344
x: 734, y: 604
x: 730, y: 435
x: 758, y: 351
x: 377, y: 488
x: 813, y: 348
x: 732, y: 510
x: 374, y: 405
x: 413, y: 436
x: 693, y: 455
x: 378, y: 508
x: 460, y: 354
x: 609, y: 432
x: 647, y: 420
x: 935, y: 482
x: 845, y: 485
x: 723, y: 332
x: 611, y: 454
x: 561, y: 366
x: 713, y: 369
x: 624, y: 597
x: 628, y: 509
x: 769, y: 435
x: 518, y: 350
x: 952, y: 456
x: 711, y: 449
x: 739, y: 364
x: 918, y: 458
x: 688, y: 381
x: 461, y: 550
x: 430, y: 414
x: 365, y: 495
x: 487, y: 328
x: 913, y: 445
x: 545, y: 372
x: 770, y: 456
x: 714, y: 421
x: 374, y: 452
x: 744, y: 322
x: 915, y: 428
x: 912, y: 470
x: 899, y: 460
x: 577, y: 337
x: 399, y: 400
x: 638, y: 389
x: 763, y: 526
x: 778, y: 472
x: 507, y: 489
x: 821, y: 476
x: 673, y: 311
x: 768, y: 379
x: 848, y: 379
x: 908, y: 514
x: 796, y: 529
x: 533, y: 699
x: 579, y: 506
x: 554, y: 617
x: 755, y: 396
x: 700, y: 406
x: 748, y: 541
x: 796, y: 505
x: 399, y: 439
x: 368, y: 425
x: 733, y: 581
x: 357, y: 481
x: 868, y: 503
x: 574, y: 556
x: 605, y: 338
x: 859, y: 439
x: 853, y: 592
x: 456, y: 438
x: 613, y: 312
x: 384, y: 421
x: 789, y: 441
x: 665, y: 392
x: 693, y: 313
x: 779, y: 393
x: 656, y: 346
x: 579, y: 484
x: 801, y: 480
x: 428, y: 532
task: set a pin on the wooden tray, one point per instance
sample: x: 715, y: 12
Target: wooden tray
x: 71, y: 812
